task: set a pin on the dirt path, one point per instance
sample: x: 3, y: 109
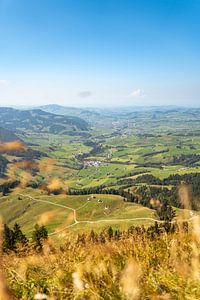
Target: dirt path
x: 93, y: 222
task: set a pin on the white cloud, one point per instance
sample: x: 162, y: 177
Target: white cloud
x: 137, y: 94
x: 85, y: 94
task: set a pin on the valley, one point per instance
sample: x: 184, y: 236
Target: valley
x: 127, y: 158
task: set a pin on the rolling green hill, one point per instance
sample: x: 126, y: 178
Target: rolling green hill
x: 89, y: 114
x: 28, y: 206
x: 79, y: 213
x: 40, y: 121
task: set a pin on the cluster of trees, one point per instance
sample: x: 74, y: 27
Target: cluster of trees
x: 175, y: 179
x: 7, y: 186
x: 3, y: 165
x: 165, y: 212
x: 127, y: 195
x: 151, y: 232
x: 156, y: 165
x: 87, y: 191
x: 133, y: 173
x: 29, y: 154
x: 146, y: 178
x: 14, y: 238
x: 156, y: 188
x: 96, y: 149
x: 191, y: 179
x: 155, y: 153
x: 186, y: 160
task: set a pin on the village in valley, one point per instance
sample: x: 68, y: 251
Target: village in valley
x: 92, y: 163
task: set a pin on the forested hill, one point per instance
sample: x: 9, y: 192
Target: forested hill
x: 89, y: 114
x: 7, y: 135
x: 40, y: 121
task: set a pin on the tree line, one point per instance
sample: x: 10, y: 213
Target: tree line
x: 152, y: 232
x: 14, y: 239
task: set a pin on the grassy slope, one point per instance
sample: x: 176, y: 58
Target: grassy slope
x: 28, y: 212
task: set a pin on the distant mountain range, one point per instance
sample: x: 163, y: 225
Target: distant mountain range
x: 114, y: 111
x: 89, y: 114
x: 37, y: 120
x: 106, y: 116
x: 57, y: 119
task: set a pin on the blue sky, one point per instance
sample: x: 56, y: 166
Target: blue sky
x: 100, y: 52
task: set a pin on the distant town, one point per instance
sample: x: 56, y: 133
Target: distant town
x: 92, y: 163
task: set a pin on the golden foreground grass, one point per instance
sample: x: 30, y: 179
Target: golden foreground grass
x: 132, y: 265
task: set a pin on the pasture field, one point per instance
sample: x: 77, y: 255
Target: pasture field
x: 78, y: 213
x: 119, y: 156
x: 29, y: 206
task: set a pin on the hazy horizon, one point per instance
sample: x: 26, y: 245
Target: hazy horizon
x: 102, y: 107
x: 100, y: 53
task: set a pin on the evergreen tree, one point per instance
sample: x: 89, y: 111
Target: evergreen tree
x: 110, y: 233
x: 39, y: 235
x: 166, y: 212
x: 93, y: 236
x: 18, y: 235
x: 9, y: 239
x: 102, y: 239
